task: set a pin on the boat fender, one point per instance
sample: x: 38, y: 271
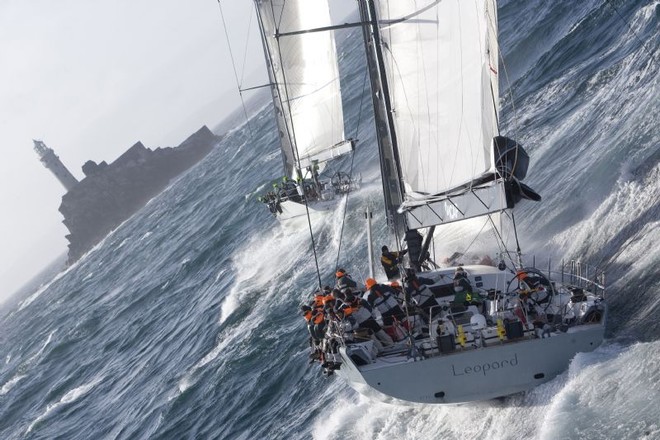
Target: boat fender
x: 501, y: 332
x: 461, y: 338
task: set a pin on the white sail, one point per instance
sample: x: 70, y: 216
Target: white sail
x: 305, y: 76
x: 441, y: 62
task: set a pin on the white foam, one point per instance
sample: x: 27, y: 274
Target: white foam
x: 70, y: 397
x: 612, y: 393
x: 624, y: 206
x: 10, y: 383
x: 261, y: 261
x: 43, y: 347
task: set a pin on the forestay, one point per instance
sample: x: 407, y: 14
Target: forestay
x: 305, y: 77
x: 441, y: 59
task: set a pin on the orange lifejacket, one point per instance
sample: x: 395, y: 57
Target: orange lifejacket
x: 318, y: 318
x: 318, y: 300
x: 327, y: 298
x: 348, y: 310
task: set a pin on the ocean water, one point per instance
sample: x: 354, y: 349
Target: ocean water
x: 183, y: 323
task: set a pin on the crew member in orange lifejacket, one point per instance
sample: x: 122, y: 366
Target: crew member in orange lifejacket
x: 383, y: 298
x: 318, y: 319
x: 538, y: 288
x: 344, y: 280
x: 319, y: 295
x: 358, y: 315
x: 307, y: 315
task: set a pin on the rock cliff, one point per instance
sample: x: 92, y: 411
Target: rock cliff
x: 111, y: 193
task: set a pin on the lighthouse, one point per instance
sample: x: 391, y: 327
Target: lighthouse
x: 55, y: 165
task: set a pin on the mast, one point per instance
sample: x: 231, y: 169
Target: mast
x: 386, y: 136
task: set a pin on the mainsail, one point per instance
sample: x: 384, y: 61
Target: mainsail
x: 441, y: 63
x: 305, y: 80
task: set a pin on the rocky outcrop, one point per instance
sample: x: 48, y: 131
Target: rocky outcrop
x: 111, y: 193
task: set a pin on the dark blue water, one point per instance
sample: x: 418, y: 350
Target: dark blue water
x: 183, y: 323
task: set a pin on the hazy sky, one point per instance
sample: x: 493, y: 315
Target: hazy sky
x: 90, y: 79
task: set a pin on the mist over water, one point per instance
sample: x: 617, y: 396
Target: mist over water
x: 183, y: 323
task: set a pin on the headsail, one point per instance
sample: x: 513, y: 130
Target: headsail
x: 441, y: 60
x: 305, y: 80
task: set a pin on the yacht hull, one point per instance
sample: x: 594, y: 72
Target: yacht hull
x: 471, y: 375
x: 293, y: 210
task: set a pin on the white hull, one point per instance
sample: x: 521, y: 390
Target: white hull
x: 486, y: 365
x: 471, y: 375
x: 293, y: 210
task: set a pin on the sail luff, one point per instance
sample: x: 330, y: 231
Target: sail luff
x: 286, y: 146
x: 386, y: 136
x: 305, y: 77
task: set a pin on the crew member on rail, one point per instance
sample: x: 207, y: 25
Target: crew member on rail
x: 344, y: 280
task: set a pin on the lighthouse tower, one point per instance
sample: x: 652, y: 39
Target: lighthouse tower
x: 55, y: 165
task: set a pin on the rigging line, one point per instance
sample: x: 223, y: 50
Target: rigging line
x: 245, y: 51
x: 296, y: 152
x: 515, y: 232
x: 350, y: 174
x: 275, y: 81
x: 343, y: 220
x: 233, y: 65
x: 457, y: 150
x: 476, y: 236
x: 412, y: 15
x: 504, y: 253
x: 292, y: 136
x: 280, y: 18
x: 609, y: 3
x: 513, y: 104
x: 498, y: 236
x: 311, y: 236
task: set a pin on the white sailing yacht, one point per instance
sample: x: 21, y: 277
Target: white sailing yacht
x: 306, y: 94
x: 434, y: 74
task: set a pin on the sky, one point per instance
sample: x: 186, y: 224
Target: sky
x: 90, y: 79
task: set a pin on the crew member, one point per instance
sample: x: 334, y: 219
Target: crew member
x: 383, y: 298
x: 344, y: 280
x: 419, y: 293
x: 390, y: 261
x: 359, y: 315
x: 465, y: 294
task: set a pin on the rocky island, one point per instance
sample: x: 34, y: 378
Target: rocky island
x: 111, y: 193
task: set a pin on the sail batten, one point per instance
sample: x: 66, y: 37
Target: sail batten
x: 441, y: 64
x: 474, y: 202
x: 305, y: 76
